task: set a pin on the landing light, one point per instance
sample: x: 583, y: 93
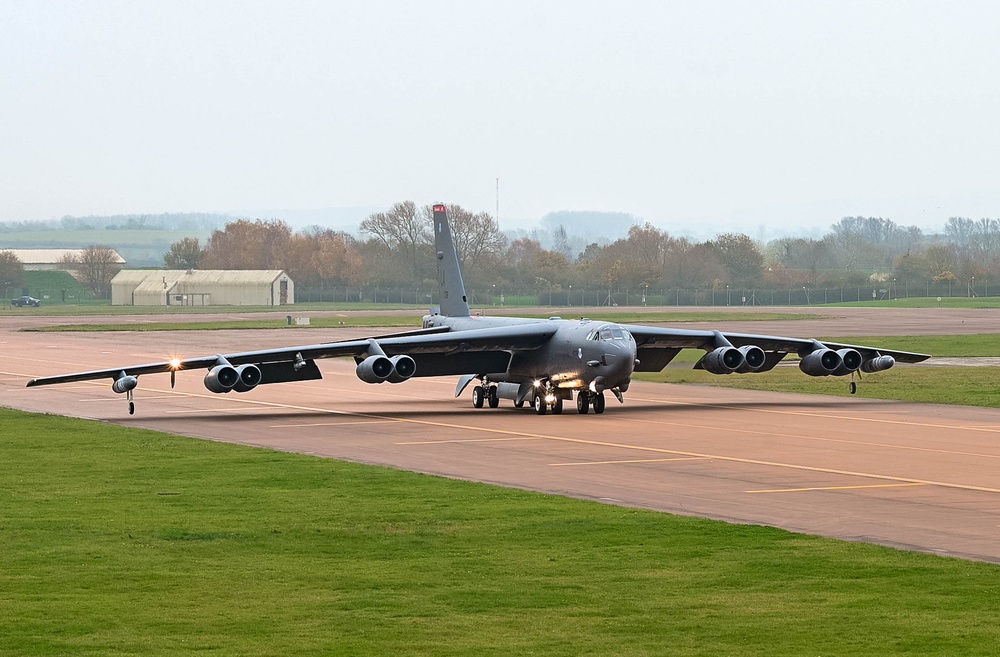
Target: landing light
x: 175, y: 363
x: 538, y: 384
x: 549, y: 399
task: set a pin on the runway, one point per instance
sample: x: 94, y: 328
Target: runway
x: 914, y: 476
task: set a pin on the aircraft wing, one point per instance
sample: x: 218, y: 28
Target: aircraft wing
x: 436, y: 351
x: 657, y: 346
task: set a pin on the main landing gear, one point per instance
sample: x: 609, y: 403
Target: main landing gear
x: 543, y: 404
x: 586, y: 399
x: 485, y: 395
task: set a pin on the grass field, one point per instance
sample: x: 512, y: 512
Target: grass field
x: 358, y: 318
x: 965, y: 386
x: 130, y: 542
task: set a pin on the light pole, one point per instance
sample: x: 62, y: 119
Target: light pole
x: 807, y: 294
x: 727, y: 294
x: 569, y: 297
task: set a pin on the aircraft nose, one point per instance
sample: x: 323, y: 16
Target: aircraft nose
x: 623, y: 363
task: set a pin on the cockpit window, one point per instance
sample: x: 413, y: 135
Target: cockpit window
x: 610, y: 332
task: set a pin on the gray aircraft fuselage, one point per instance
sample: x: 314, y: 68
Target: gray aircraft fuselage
x: 581, y: 354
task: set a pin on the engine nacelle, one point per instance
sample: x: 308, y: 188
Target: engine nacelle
x: 822, y: 362
x: 124, y: 384
x: 850, y: 361
x: 403, y: 367
x: 375, y: 369
x: 250, y: 376
x: 221, y: 378
x: 877, y: 364
x: 753, y: 359
x: 724, y: 360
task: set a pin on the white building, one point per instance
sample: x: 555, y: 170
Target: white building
x: 202, y: 287
x: 51, y: 259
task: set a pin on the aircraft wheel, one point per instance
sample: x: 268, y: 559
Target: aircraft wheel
x: 492, y: 398
x: 583, y: 402
x: 519, y: 404
x: 540, y: 406
x: 477, y: 396
x: 854, y: 387
x: 557, y: 406
x: 599, y: 403
x: 131, y: 408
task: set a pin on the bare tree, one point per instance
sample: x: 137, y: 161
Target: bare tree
x: 402, y: 229
x: 478, y: 239
x: 94, y: 268
x: 11, y: 271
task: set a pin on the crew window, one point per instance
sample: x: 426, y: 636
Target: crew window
x: 606, y: 334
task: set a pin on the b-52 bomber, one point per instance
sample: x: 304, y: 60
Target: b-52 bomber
x: 541, y: 361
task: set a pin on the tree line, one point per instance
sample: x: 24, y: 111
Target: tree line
x: 396, y: 249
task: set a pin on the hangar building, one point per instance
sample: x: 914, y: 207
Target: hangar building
x: 202, y: 287
x: 52, y: 259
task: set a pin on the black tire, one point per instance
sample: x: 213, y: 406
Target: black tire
x: 854, y: 387
x: 477, y: 397
x: 557, y: 406
x: 583, y: 402
x: 519, y: 404
x: 492, y: 398
x: 540, y: 406
x: 599, y: 403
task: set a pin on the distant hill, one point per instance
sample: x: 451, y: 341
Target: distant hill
x: 591, y: 225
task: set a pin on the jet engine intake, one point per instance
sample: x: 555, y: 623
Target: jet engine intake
x: 822, y: 362
x: 753, y: 359
x: 850, y: 361
x: 724, y: 360
x: 124, y: 384
x: 375, y: 369
x: 403, y: 367
x: 877, y: 364
x: 250, y: 376
x: 221, y: 378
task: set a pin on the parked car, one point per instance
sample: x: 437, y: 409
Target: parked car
x: 25, y: 301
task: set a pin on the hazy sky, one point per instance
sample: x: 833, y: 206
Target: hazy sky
x: 787, y: 115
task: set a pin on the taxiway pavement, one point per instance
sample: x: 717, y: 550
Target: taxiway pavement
x: 915, y: 476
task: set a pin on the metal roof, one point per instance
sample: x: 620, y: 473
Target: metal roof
x: 168, y: 278
x: 51, y: 256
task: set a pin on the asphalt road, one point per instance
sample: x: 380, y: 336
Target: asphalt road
x: 914, y: 476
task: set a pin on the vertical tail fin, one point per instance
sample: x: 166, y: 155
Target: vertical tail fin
x: 452, y: 290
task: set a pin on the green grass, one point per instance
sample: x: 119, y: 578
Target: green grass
x: 121, y: 541
x: 966, y: 386
x: 357, y: 318
x: 962, y: 385
x: 924, y: 302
